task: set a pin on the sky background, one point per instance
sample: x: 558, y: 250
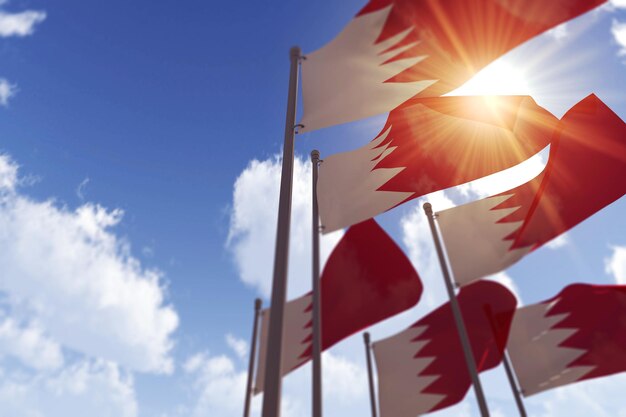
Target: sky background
x: 138, y: 190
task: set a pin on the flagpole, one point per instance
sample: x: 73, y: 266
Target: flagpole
x: 273, y: 375
x: 508, y: 368
x: 370, y: 376
x: 514, y: 386
x: 458, y: 318
x: 255, y: 325
x: 317, y: 314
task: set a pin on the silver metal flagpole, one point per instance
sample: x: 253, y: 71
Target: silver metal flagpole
x: 514, y: 386
x: 273, y: 375
x: 317, y: 314
x: 456, y: 312
x: 255, y: 325
x: 370, y: 376
x: 508, y: 368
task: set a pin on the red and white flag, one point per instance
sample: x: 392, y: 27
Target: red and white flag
x: 422, y: 369
x: 429, y: 145
x: 394, y: 50
x: 579, y: 334
x: 586, y: 171
x: 367, y: 279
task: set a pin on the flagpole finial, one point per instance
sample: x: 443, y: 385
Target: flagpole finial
x: 366, y: 338
x: 295, y: 52
x: 258, y: 303
x: 315, y: 155
x: 428, y: 209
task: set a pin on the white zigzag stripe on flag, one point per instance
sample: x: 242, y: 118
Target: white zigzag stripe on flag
x: 587, y: 149
x: 533, y: 335
x: 429, y: 145
x: 395, y: 50
x: 358, y: 67
x: 361, y: 179
x: 480, y: 223
x: 401, y: 391
x: 422, y: 369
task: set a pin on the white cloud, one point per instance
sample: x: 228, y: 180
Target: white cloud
x: 220, y: 382
x: 95, y: 389
x: 30, y: 345
x: 221, y: 387
x: 558, y: 242
x: 7, y: 91
x: 344, y: 381
x: 616, y: 264
x: 8, y: 174
x: 618, y: 29
x: 239, y: 346
x: 20, y: 24
x: 252, y: 233
x: 80, y: 190
x: 618, y: 3
x: 418, y: 240
x: 70, y: 274
x: 560, y: 32
x: 16, y: 24
x: 601, y: 397
x: 504, y: 279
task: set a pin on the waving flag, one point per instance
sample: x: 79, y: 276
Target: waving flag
x: 586, y: 171
x: 579, y: 334
x: 422, y: 369
x: 429, y: 145
x: 394, y: 50
x: 367, y: 279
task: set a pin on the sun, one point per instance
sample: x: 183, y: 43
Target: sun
x: 497, y: 79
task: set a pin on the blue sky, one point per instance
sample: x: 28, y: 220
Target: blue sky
x: 138, y: 183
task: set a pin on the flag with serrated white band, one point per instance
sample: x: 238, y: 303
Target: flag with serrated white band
x: 428, y: 145
x: 393, y: 50
x: 423, y: 369
x: 577, y: 335
x: 586, y: 171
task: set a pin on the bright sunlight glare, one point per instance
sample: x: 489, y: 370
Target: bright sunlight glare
x: 497, y: 79
x: 501, y: 79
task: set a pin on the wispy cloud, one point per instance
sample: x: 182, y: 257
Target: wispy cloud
x: 21, y: 23
x: 80, y: 190
x: 18, y: 24
x: 618, y: 29
x: 558, y: 242
x: 618, y: 3
x: 616, y: 264
x: 560, y: 32
x: 7, y: 91
x: 239, y: 346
